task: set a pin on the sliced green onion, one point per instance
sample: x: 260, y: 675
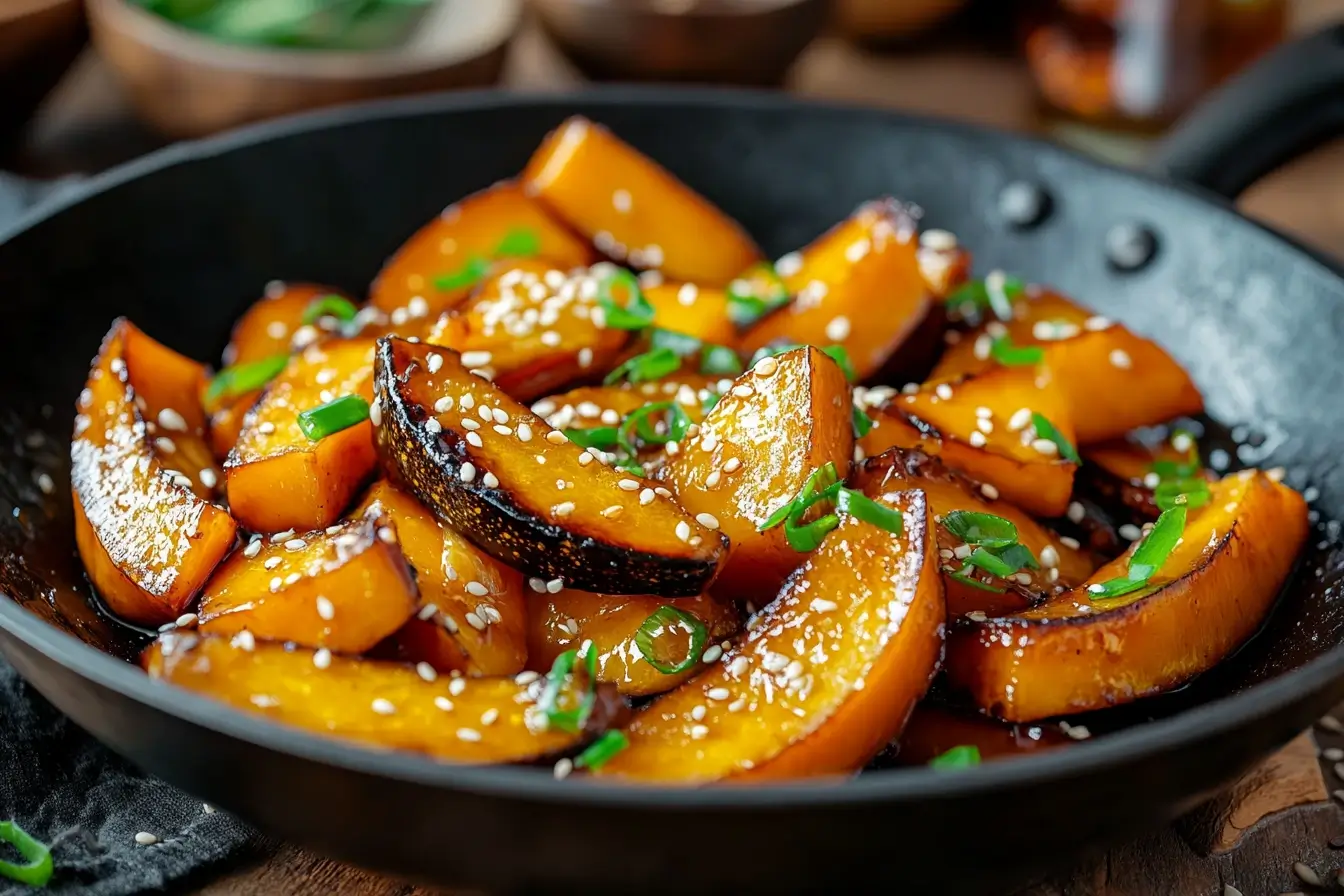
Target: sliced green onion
x: 839, y: 355
x: 825, y: 476
x: 965, y: 579
x: 469, y: 274
x: 746, y: 304
x: 709, y: 401
x: 635, y: 314
x: 1009, y: 355
x: 630, y: 465
x: 342, y: 413
x: 1190, y: 468
x: 1046, y: 430
x: 603, y: 438
x: 335, y: 306
x: 521, y: 242
x: 652, y: 365
x: 1018, y: 556
x: 779, y: 516
x: 1147, y: 558
x: 977, y: 295
x: 808, y: 537
x: 985, y: 529
x: 600, y: 751
x: 568, y: 720
x: 863, y: 424
x: 718, y: 360
x: 680, y: 343
x: 865, y: 508
x: 665, y: 618
x: 1190, y: 492
x: 241, y: 379
x: 637, y: 423
x: 36, y: 871
x: 962, y: 756
x: 983, y: 559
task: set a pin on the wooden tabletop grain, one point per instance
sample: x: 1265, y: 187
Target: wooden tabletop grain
x: 1280, y: 814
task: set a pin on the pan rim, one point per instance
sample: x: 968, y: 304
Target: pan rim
x: 1221, y: 716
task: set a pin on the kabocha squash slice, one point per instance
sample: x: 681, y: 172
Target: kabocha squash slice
x: 934, y: 730
x: 633, y: 210
x: 472, y: 617
x: 147, y: 541
x: 345, y: 588
x: 446, y: 259
x: 385, y: 705
x: 858, y: 286
x: 754, y: 451
x: 824, y: 676
x: 951, y: 497
x: 612, y: 622
x: 699, y: 311
x: 1073, y: 653
x: 1112, y: 379
x: 534, y: 327
x: 278, y: 477
x: 522, y: 492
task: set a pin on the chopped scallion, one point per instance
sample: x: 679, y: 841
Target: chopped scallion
x: 755, y: 294
x: 984, y: 529
x: 865, y: 508
x: 469, y: 274
x: 36, y: 871
x: 719, y: 360
x: 1046, y: 430
x: 341, y: 413
x: 962, y: 756
x: 241, y: 379
x: 680, y: 343
x: 663, y: 620
x: 635, y: 314
x: 600, y: 751
x: 808, y: 537
x: 863, y: 424
x: 603, y: 438
x: 652, y: 365
x: 1147, y: 558
x: 972, y: 581
x: 1009, y: 355
x: 1190, y: 492
x: 335, y: 306
x: 521, y: 242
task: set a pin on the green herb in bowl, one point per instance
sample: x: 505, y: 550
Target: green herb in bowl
x: 297, y: 24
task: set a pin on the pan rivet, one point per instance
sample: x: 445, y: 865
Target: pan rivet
x: 1130, y: 246
x: 1024, y: 204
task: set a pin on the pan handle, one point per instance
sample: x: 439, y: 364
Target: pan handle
x: 1282, y: 106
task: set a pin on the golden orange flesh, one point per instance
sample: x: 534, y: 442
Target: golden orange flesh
x: 699, y: 311
x: 384, y: 705
x: 345, y: 588
x: 147, y: 541
x: 632, y: 209
x: 278, y: 478
x: 824, y: 676
x: 1072, y: 654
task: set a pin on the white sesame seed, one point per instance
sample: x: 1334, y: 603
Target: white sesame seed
x: 683, y: 531
x: 490, y: 480
x: 469, y: 734
x: 185, y: 620
x: 474, y: 440
x: 383, y: 706
x: 1044, y: 446
x: 838, y: 328
x: 387, y: 535
x: 943, y: 391
x: 1130, y: 532
x: 766, y: 367
x: 719, y: 694
x: 989, y: 491
x: 145, y: 838
x: 417, y: 307
x: 1120, y: 358
x: 325, y: 608
x: 938, y: 240
x: 1076, y: 512
x: 585, y: 357
x: 1020, y: 420
x: 475, y: 621
x: 476, y: 359
x: 172, y: 421
x: 434, y: 361
x: 622, y: 201
x: 1096, y: 323
x: 502, y: 430
x: 699, y: 732
x: 433, y: 427
x: 712, y: 480
x: 427, y: 612
x: 276, y: 584
x: 244, y: 641
x: 556, y: 437
x: 253, y: 548
x: 562, y: 768
x: 646, y: 496
x: 476, y: 588
x: 1049, y: 556
x: 555, y: 586
x: 855, y: 251
x: 489, y: 716
x: 1069, y: 542
x: 708, y: 520
x: 524, y: 432
x: 612, y: 511
x: 976, y: 439
x: 457, y: 686
x: 466, y: 402
x: 712, y: 653
x: 564, y: 508
x: 628, y: 485
x: 470, y: 425
x: 485, y: 414
x: 443, y: 405
x: 322, y: 658
x: 426, y: 671
x: 743, y: 391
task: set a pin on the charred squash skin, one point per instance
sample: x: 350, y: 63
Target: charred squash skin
x: 1071, y: 654
x: 506, y: 501
x: 871, y: 603
x: 345, y: 589
x: 633, y: 209
x: 385, y: 705
x: 147, y: 543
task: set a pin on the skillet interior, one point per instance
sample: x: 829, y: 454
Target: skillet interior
x: 184, y: 248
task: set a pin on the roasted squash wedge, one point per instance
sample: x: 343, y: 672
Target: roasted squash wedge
x: 933, y: 730
x: 858, y: 286
x: 534, y: 327
x: 1214, y: 590
x: 279, y: 478
x: 385, y: 705
x: 147, y: 541
x: 1112, y: 379
x: 446, y: 259
x: 699, y: 311
x: 565, y: 620
x: 345, y: 588
x: 473, y: 615
x: 754, y: 451
x: 970, y: 589
x: 522, y: 492
x: 824, y: 676
x: 632, y: 209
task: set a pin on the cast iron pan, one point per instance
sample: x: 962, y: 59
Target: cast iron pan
x: 183, y: 240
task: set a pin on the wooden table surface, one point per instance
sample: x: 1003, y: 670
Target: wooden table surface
x: 1250, y: 839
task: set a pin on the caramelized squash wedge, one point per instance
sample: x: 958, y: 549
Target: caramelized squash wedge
x: 345, y: 588
x: 147, y: 541
x: 1060, y: 566
x: 472, y: 616
x: 859, y: 286
x: 445, y: 260
x: 384, y: 705
x: 825, y: 675
x: 522, y: 492
x: 632, y: 209
x: 933, y: 730
x: 1112, y: 379
x: 1072, y: 654
x: 699, y: 311
x: 534, y: 328
x: 612, y: 622
x: 279, y: 478
x: 754, y: 451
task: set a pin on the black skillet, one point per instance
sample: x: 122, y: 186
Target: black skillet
x: 182, y: 240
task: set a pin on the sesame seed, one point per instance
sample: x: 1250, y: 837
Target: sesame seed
x: 562, y: 768
x: 457, y: 686
x: 712, y: 480
x: 646, y: 497
x: 485, y: 414
x: 564, y: 508
x: 244, y: 641
x: 989, y: 491
x: 1076, y: 512
x: 443, y: 703
x: 382, y: 706
x: 490, y: 480
x: 466, y: 402
x: 556, y: 437
x: 1306, y: 874
x: 585, y: 357
x: 1130, y: 532
x: 938, y: 240
x: 418, y: 307
x: 427, y: 612
x: 476, y: 621
x: 1049, y: 556
x: 172, y: 421
x: 322, y: 658
x: 469, y: 734
x: 470, y: 425
x: 977, y: 439
x: 294, y: 544
x: 743, y: 391
x: 1020, y: 420
x: 766, y: 367
x: 435, y: 361
x: 325, y: 608
x: 426, y: 671
x: 612, y: 511
x: 145, y: 838
x: 477, y: 589
x: 502, y: 430
x: 712, y: 653
x: 555, y: 586
x: 489, y: 716
x: 1069, y: 542
x: 719, y: 694
x: 943, y: 391
x: 683, y: 531
x: 1096, y: 323
x: 699, y: 732
x: 838, y: 328
x: 386, y: 535
x: 821, y: 605
x: 275, y: 584
x: 474, y: 440
x: 855, y: 251
x: 628, y: 485
x: 476, y: 359
x: 253, y: 548
x: 1096, y: 588
x: 1044, y: 446
x: 708, y: 520
x: 433, y: 427
x: 1120, y: 358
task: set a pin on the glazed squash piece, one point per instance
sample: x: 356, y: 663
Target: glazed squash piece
x: 1135, y: 470
x: 446, y: 259
x: 1112, y: 379
x: 565, y: 620
x: 934, y: 730
x: 699, y: 311
x: 522, y: 492
x: 944, y: 262
x: 385, y: 705
x: 472, y: 616
x: 345, y: 588
x: 147, y: 542
x: 1213, y: 591
x: 783, y: 419
x: 534, y: 327
x: 633, y: 210
x: 824, y: 676
x: 590, y: 407
x: 951, y: 498
x: 858, y: 286
x: 279, y: 478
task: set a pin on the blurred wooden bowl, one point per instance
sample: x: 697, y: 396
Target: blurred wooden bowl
x: 885, y: 21
x: 38, y: 41
x: 751, y: 42
x: 188, y: 85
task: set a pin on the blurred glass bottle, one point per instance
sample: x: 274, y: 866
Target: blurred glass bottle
x: 1139, y: 64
